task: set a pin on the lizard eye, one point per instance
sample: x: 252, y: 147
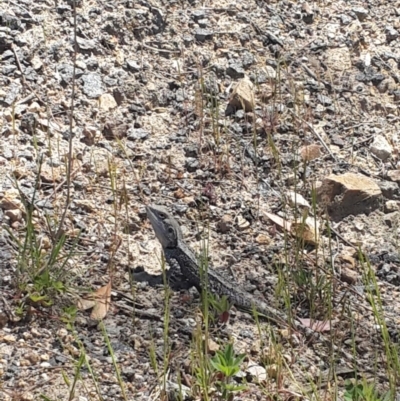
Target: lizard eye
x: 170, y: 230
x: 162, y: 215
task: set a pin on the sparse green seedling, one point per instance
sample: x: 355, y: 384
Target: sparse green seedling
x: 364, y: 391
x: 225, y: 365
x: 220, y: 306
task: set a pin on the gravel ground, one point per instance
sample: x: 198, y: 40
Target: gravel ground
x: 155, y: 121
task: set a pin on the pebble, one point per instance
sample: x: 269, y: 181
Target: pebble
x: 381, y: 148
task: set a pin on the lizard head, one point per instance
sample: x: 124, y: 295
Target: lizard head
x: 166, y: 228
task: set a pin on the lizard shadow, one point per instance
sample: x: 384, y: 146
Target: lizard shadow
x: 177, y: 282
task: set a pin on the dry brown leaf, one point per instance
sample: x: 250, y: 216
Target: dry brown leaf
x: 279, y: 221
x: 307, y: 230
x: 296, y: 199
x: 103, y: 299
x: 84, y: 304
x: 310, y: 152
x: 179, y: 193
x: 316, y: 325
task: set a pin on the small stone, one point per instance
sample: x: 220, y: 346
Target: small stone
x: 310, y: 152
x: 225, y: 224
x: 391, y: 206
x: 33, y: 357
x: 14, y: 215
x: 242, y: 223
x: 202, y: 34
x: 257, y: 371
x: 133, y: 65
x: 243, y: 95
x: 391, y: 34
x: 381, y: 148
x: 86, y: 44
x: 34, y: 107
x: 92, y: 85
x: 45, y: 365
x: 348, y: 276
x: 107, y: 102
x: 235, y: 70
x: 392, y: 219
x: 263, y: 239
x: 360, y: 12
x: 390, y: 190
x: 134, y: 134
x: 212, y: 346
x: 198, y: 14
x: 85, y: 204
x: 11, y: 200
x: 9, y: 338
x: 394, y: 175
x: 36, y: 63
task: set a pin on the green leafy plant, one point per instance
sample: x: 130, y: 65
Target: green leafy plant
x: 226, y: 364
x: 363, y: 391
x: 219, y: 307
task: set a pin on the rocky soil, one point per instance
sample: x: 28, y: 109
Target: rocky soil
x: 220, y: 111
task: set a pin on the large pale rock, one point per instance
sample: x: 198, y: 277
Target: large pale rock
x: 347, y: 194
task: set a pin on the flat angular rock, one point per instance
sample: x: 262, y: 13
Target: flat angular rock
x: 347, y: 194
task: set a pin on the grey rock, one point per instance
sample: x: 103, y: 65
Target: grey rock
x: 202, y: 34
x: 381, y: 148
x: 86, y: 44
x: 92, y: 85
x: 210, y: 84
x: 390, y: 190
x: 235, y: 70
x: 92, y: 64
x: 9, y: 69
x: 135, y: 134
x: 66, y: 72
x: 29, y: 123
x: 203, y: 23
x: 198, y: 15
x: 63, y: 9
x: 133, y: 65
x: 110, y: 81
x: 360, y: 12
x: 345, y: 19
x: 192, y: 164
x: 13, y: 91
x: 7, y: 55
x: 391, y: 33
x: 188, y: 39
x: 247, y: 59
x: 337, y: 140
x: 5, y: 41
x: 10, y: 21
x: 325, y: 100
